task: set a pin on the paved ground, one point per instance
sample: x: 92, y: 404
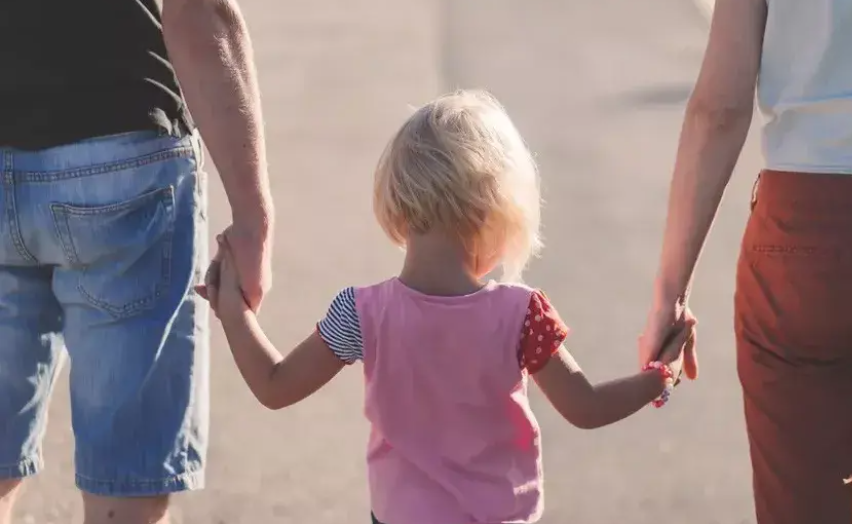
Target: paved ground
x: 598, y: 88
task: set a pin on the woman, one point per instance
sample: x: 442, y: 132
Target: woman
x: 794, y: 277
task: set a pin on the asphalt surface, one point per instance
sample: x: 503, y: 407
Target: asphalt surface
x: 598, y: 89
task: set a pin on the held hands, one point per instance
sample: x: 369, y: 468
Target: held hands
x: 674, y: 351
x: 222, y: 286
x: 663, y: 331
x: 251, y: 251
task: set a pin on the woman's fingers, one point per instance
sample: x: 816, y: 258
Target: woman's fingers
x: 677, y: 343
x: 690, y: 358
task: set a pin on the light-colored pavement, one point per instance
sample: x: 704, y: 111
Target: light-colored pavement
x: 598, y: 89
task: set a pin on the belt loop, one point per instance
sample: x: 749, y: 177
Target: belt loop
x: 754, y: 191
x: 179, y: 130
x: 6, y: 167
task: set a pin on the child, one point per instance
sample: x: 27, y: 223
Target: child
x: 447, y: 354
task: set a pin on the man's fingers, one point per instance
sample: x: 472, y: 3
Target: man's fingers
x: 253, y: 297
x: 226, y: 256
x: 254, y: 300
x: 212, y: 280
x: 201, y: 289
x: 227, y: 253
x: 214, y: 272
x: 247, y: 276
x: 224, y: 239
x: 213, y: 294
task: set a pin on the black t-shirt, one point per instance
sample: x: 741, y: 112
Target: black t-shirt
x: 77, y: 69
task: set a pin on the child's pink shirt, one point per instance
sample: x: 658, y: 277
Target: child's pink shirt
x: 453, y: 439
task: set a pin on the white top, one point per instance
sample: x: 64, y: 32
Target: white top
x: 805, y: 86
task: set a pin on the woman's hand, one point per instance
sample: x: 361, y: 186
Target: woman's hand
x: 663, y: 326
x: 678, y: 345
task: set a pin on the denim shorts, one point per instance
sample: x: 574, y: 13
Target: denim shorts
x: 101, y: 242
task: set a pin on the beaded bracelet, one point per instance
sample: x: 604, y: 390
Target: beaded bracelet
x: 668, y: 379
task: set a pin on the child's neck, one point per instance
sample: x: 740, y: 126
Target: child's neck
x: 438, y: 265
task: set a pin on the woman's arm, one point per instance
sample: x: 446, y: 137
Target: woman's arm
x: 714, y: 130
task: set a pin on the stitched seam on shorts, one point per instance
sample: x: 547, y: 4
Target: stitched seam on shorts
x: 100, y: 169
x: 12, y: 209
x: 142, y: 481
x: 62, y: 231
x: 187, y: 481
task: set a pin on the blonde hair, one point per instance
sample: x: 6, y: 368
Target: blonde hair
x: 459, y: 164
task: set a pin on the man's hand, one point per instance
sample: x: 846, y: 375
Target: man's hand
x: 663, y: 323
x: 252, y: 254
x: 251, y: 249
x: 227, y: 297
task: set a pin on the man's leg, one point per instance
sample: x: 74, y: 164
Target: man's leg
x: 135, y: 238
x: 29, y: 359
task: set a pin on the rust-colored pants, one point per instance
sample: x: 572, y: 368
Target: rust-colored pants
x: 794, y: 346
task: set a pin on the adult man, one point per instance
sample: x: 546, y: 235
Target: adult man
x: 103, y: 234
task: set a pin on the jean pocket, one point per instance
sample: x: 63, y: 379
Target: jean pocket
x: 122, y: 252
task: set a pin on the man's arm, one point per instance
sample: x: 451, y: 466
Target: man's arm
x: 209, y: 46
x: 210, y: 49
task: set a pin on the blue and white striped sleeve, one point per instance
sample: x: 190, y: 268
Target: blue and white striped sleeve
x: 341, y: 328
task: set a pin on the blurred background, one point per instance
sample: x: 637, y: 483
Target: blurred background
x: 598, y: 89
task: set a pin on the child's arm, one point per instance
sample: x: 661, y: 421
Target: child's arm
x: 275, y: 380
x: 559, y: 376
x: 590, y: 406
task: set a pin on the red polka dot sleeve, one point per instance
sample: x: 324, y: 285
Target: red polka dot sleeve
x: 543, y: 333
